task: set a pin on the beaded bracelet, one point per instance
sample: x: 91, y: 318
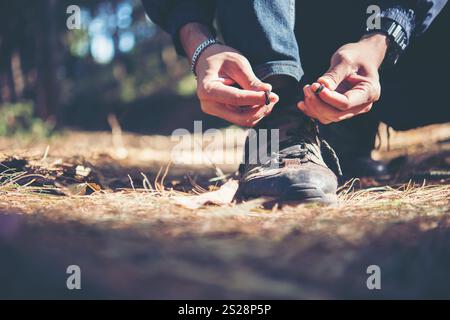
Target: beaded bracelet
x: 205, y: 44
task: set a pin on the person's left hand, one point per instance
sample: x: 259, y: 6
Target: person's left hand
x: 351, y: 85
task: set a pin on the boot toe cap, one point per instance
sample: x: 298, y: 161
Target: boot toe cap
x: 310, y: 183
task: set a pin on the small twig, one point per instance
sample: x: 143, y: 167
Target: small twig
x: 157, y: 187
x: 47, y: 149
x: 132, y: 183
x: 146, y: 184
x: 165, y: 174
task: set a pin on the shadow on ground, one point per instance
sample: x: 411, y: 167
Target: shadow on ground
x: 144, y: 263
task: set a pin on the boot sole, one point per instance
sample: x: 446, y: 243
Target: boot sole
x: 307, y: 193
x: 297, y: 193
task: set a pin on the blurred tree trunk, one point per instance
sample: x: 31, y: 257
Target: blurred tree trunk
x: 47, y: 96
x: 17, y: 75
x: 7, y: 83
x: 10, y: 79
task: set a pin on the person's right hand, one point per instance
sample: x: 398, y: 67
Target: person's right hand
x: 219, y: 69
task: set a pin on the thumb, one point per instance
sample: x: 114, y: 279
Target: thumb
x: 335, y: 75
x: 246, y: 78
x: 258, y: 85
x: 249, y: 81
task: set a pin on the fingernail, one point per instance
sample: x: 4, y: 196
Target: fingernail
x: 325, y: 82
x: 274, y: 97
x: 306, y: 91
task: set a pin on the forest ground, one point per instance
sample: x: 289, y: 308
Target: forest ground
x: 110, y: 203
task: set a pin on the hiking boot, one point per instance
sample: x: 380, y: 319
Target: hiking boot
x: 298, y: 170
x: 353, y: 141
x: 363, y: 166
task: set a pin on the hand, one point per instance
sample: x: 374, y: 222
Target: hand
x: 219, y: 69
x: 351, y: 84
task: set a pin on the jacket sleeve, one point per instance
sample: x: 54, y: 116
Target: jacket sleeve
x: 415, y: 16
x: 171, y: 15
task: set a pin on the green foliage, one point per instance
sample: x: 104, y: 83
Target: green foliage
x: 78, y: 43
x: 17, y: 120
x: 187, y: 86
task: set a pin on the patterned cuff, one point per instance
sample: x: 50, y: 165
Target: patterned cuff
x: 405, y: 18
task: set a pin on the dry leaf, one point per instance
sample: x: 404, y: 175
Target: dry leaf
x: 222, y: 196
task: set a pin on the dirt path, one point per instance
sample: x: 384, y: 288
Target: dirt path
x: 73, y: 204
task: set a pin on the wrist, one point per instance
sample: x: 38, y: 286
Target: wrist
x: 192, y: 35
x: 378, y: 43
x: 199, y: 51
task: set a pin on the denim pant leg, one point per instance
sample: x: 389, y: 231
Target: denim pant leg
x: 263, y: 31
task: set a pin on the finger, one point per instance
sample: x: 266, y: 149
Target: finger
x: 364, y: 90
x: 335, y: 75
x: 361, y: 93
x: 242, y: 72
x: 327, y: 114
x: 333, y: 98
x: 353, y: 112
x: 316, y: 108
x: 324, y: 112
x: 309, y: 112
x: 218, y: 92
x: 230, y: 82
x: 241, y: 117
x: 227, y: 81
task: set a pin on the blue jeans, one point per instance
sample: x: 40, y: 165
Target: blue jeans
x: 296, y: 39
x: 273, y: 35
